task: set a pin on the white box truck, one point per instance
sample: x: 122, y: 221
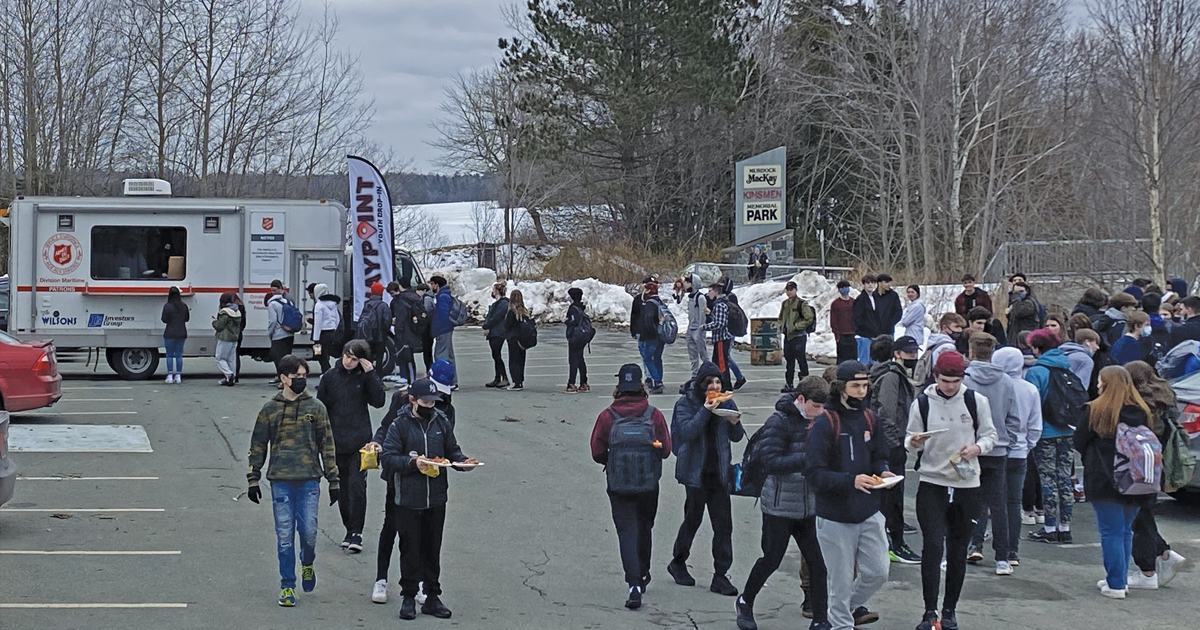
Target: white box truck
x: 93, y: 272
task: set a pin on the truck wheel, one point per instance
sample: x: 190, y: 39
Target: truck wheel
x: 387, y: 363
x: 1188, y: 497
x: 133, y: 364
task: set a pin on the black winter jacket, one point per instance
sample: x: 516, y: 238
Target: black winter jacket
x: 833, y: 461
x: 575, y: 314
x: 346, y: 394
x: 435, y: 438
x: 175, y: 318
x: 397, y: 409
x: 496, y: 321
x: 374, y: 321
x: 405, y: 307
x: 888, y: 310
x: 866, y: 319
x: 1188, y: 329
x: 1098, y: 454
x: 891, y: 396
x: 635, y: 317
x: 785, y: 492
x: 690, y: 430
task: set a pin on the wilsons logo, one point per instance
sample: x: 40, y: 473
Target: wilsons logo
x: 55, y: 319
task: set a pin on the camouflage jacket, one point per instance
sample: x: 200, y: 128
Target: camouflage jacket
x: 301, y: 442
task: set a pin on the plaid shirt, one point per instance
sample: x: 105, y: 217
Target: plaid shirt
x: 719, y: 324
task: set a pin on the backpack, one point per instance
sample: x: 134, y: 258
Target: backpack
x: 923, y: 407
x: 736, y: 320
x: 584, y: 332
x: 750, y: 475
x: 634, y: 463
x: 368, y: 322
x: 526, y: 333
x: 1064, y: 406
x: 458, y: 312
x: 1138, y: 462
x: 1172, y: 365
x: 811, y: 313
x: 292, y: 320
x: 667, y: 328
x: 923, y: 373
x: 1179, y: 463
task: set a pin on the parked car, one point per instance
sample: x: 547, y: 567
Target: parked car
x: 1187, y: 391
x: 4, y: 302
x: 8, y: 470
x: 29, y: 377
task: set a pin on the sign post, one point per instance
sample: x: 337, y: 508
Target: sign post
x: 760, y: 196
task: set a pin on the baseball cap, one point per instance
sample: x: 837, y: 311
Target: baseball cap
x: 850, y: 370
x: 905, y: 344
x: 629, y: 378
x: 950, y: 364
x: 425, y: 389
x: 442, y: 375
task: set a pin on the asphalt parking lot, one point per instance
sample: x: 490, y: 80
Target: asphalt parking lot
x: 165, y: 539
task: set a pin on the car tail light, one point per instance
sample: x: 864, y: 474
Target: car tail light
x: 42, y: 366
x: 1189, y: 419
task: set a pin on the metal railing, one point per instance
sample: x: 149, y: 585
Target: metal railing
x: 1110, y: 258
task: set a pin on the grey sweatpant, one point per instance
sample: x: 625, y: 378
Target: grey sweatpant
x: 226, y: 355
x: 697, y: 351
x: 443, y: 348
x: 841, y: 545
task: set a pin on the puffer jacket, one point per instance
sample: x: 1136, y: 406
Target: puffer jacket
x: 689, y: 432
x: 228, y: 323
x: 785, y: 492
x: 1098, y: 454
x: 435, y: 438
x: 496, y: 320
x: 891, y: 394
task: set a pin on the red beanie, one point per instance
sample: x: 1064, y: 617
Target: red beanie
x: 951, y: 364
x: 376, y: 289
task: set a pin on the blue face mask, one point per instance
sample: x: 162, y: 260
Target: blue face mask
x: 1147, y: 330
x: 1020, y: 295
x: 844, y: 290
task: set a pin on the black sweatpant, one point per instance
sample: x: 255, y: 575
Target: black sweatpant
x: 326, y: 341
x: 576, y: 363
x: 378, y: 349
x: 847, y: 348
x: 427, y: 351
x: 892, y: 500
x: 352, y: 500
x: 993, y: 503
x: 946, y: 516
x: 720, y: 357
x: 420, y: 549
x: 497, y: 346
x: 1031, y: 495
x: 1148, y: 544
x: 406, y: 364
x: 776, y: 533
x: 715, y: 496
x: 281, y: 348
x: 516, y: 362
x: 387, y: 535
x: 795, y: 351
x: 633, y: 515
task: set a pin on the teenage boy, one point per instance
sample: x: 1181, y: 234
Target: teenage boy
x: 697, y: 316
x: 282, y: 340
x: 887, y: 306
x: 787, y: 500
x: 411, y: 323
x: 971, y: 297
x: 722, y: 338
x: 421, y: 490
x: 843, y: 451
x: 795, y: 317
x: 866, y: 318
x: 948, y: 494
x: 440, y: 328
x: 891, y: 394
x: 295, y: 428
x: 841, y: 322
x: 1029, y: 410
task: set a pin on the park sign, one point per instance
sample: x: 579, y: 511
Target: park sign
x: 759, y: 196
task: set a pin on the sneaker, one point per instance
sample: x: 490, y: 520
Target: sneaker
x: 379, y: 592
x: 745, y: 615
x: 1028, y: 518
x: 571, y: 389
x: 904, y: 555
x: 909, y: 529
x: 974, y: 555
x: 346, y: 541
x: 1141, y: 581
x: 949, y: 621
x: 408, y: 608
x: 1111, y: 592
x: 308, y: 578
x: 787, y: 389
x: 1014, y: 560
x: 1043, y: 536
x: 178, y: 379
x: 171, y: 379
x: 516, y: 387
x: 493, y: 383
x: 355, y: 545
x: 584, y: 388
x: 738, y: 384
x: 862, y: 616
x: 1065, y: 537
x: 722, y: 586
x: 287, y: 597
x: 929, y: 621
x: 434, y: 606
x: 1004, y: 568
x: 634, y: 601
x: 806, y: 609
x: 1039, y: 518
x: 1166, y: 569
x: 502, y: 383
x: 680, y: 573
x: 657, y: 389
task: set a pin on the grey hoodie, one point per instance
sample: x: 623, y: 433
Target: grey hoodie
x: 1080, y: 358
x: 991, y: 381
x: 697, y: 302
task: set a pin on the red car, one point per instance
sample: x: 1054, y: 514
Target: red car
x: 29, y: 377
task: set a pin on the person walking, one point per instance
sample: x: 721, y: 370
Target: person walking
x: 517, y: 317
x: 739, y: 379
x: 1055, y: 464
x: 701, y: 440
x: 631, y: 440
x: 175, y: 315
x: 649, y: 345
x: 913, y: 319
x: 971, y: 297
x: 948, y: 493
x: 294, y: 427
x: 441, y: 327
x: 228, y: 323
x: 1029, y: 431
x: 843, y: 454
x: 866, y: 318
x: 795, y: 318
x: 411, y: 323
x: 787, y: 501
x: 388, y: 533
x: 350, y: 386
x: 892, y: 393
x: 1119, y: 406
x: 722, y: 338
x: 282, y: 339
x: 327, y: 317
x: 697, y: 310
x: 495, y: 328
x: 579, y: 333
x: 417, y: 438
x: 841, y: 323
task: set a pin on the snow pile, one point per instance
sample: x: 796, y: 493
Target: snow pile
x: 528, y: 260
x: 547, y: 300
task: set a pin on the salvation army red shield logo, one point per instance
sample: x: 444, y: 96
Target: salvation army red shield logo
x: 62, y: 254
x: 364, y: 230
x: 268, y: 223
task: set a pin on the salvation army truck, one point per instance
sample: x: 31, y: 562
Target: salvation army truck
x: 94, y: 272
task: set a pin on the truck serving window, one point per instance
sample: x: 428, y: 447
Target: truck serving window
x: 123, y: 252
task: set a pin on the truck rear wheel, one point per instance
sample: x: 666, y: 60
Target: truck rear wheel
x: 133, y: 364
x: 387, y: 363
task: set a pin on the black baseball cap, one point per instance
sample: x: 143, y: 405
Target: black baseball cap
x: 629, y: 378
x: 906, y: 343
x: 425, y: 389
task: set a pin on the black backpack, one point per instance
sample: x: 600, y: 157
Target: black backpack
x: 584, y: 332
x: 750, y: 475
x: 736, y: 320
x: 805, y: 309
x: 923, y: 407
x: 526, y: 332
x: 634, y: 463
x: 1065, y: 405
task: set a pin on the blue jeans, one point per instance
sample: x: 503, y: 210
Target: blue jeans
x: 1115, y: 521
x: 737, y: 372
x: 174, y: 349
x: 864, y: 350
x: 295, y: 504
x: 652, y: 352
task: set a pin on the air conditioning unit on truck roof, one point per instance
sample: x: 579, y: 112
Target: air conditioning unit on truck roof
x: 94, y: 272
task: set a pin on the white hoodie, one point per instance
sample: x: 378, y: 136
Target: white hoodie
x: 1029, y: 402
x: 952, y: 415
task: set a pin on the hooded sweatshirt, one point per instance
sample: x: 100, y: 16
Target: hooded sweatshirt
x: 326, y: 313
x: 913, y: 320
x: 834, y: 457
x: 950, y: 414
x: 701, y: 439
x: 1111, y: 325
x: 990, y: 380
x: 1029, y: 403
x: 1039, y: 375
x: 228, y: 323
x: 697, y: 302
x: 1080, y: 358
x: 938, y: 343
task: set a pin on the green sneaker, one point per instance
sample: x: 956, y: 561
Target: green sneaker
x: 287, y: 597
x: 308, y: 578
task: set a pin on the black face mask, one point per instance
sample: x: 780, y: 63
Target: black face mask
x: 910, y: 364
x: 298, y: 384
x: 853, y: 403
x: 426, y: 413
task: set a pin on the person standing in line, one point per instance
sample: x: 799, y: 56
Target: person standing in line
x: 175, y: 315
x: 282, y: 340
x: 948, y: 494
x: 241, y: 306
x: 1113, y: 324
x: 866, y: 318
x: 891, y: 394
x: 843, y: 454
x: 630, y: 439
x: 228, y: 323
x: 346, y: 391
x: 913, y: 319
x: 697, y: 310
x: 644, y: 326
x: 327, y: 316
x: 429, y: 301
x: 516, y: 317
x: 1080, y: 350
x: 1128, y: 348
x: 294, y: 427
x: 788, y: 505
x: 1096, y: 441
x: 416, y: 438
x: 888, y: 307
x: 575, y: 321
x: 374, y: 322
x: 440, y: 328
x: 722, y: 338
x: 739, y: 379
x: 1055, y: 464
x: 795, y: 318
x: 971, y: 297
x: 495, y: 327
x: 1023, y: 312
x: 637, y: 321
x: 411, y: 323
x: 841, y: 323
x: 701, y: 440
x: 1029, y: 431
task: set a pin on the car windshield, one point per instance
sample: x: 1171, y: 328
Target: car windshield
x: 12, y: 341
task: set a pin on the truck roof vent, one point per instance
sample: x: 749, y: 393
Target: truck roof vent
x: 147, y: 188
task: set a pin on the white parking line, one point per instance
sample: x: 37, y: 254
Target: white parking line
x: 31, y: 552
x: 95, y: 605
x: 65, y: 478
x: 71, y: 389
x: 43, y: 510
x: 91, y: 413
x: 75, y: 400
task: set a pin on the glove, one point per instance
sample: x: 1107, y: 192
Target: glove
x: 254, y: 494
x: 333, y: 495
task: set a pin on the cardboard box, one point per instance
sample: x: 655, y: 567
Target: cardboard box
x: 175, y: 268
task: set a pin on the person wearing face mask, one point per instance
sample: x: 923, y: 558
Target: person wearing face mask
x: 1080, y: 352
x: 1156, y: 343
x: 787, y: 501
x: 1022, y: 312
x: 891, y: 394
x: 1128, y: 348
x: 843, y: 452
x: 294, y: 427
x: 950, y: 332
x: 420, y: 434
x: 866, y: 318
x: 346, y: 390
x: 841, y: 322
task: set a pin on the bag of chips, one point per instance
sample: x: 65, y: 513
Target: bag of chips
x: 368, y: 459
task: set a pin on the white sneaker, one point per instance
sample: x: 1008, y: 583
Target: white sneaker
x: 1112, y: 592
x: 1139, y: 580
x: 170, y: 379
x: 1039, y: 519
x: 421, y: 594
x: 1003, y: 568
x: 379, y: 592
x: 178, y: 378
x: 1166, y: 569
x: 1028, y: 518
